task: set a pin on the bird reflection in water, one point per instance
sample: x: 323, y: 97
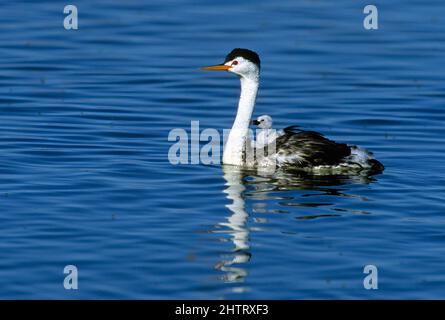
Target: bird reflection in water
x: 261, y: 188
x: 236, y: 224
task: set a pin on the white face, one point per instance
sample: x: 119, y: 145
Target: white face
x: 265, y: 122
x: 243, y: 68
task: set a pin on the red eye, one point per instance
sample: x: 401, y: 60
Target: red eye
x: 234, y: 63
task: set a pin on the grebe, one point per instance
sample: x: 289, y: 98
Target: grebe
x: 265, y: 135
x: 306, y: 150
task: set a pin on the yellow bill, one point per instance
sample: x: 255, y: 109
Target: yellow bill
x: 216, y: 67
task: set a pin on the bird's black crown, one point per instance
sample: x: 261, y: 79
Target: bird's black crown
x: 250, y: 55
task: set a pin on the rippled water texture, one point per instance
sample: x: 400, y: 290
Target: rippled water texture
x: 85, y: 178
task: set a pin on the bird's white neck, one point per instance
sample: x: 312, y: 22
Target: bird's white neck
x: 236, y: 142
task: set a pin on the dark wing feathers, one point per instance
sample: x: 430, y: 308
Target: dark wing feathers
x: 311, y: 146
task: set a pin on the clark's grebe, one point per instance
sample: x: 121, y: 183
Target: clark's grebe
x: 307, y: 150
x: 265, y: 134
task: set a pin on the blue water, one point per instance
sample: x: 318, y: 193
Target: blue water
x: 85, y: 179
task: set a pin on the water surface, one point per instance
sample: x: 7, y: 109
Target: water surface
x: 85, y: 178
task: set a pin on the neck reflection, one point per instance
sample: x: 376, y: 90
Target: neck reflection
x: 237, y: 226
